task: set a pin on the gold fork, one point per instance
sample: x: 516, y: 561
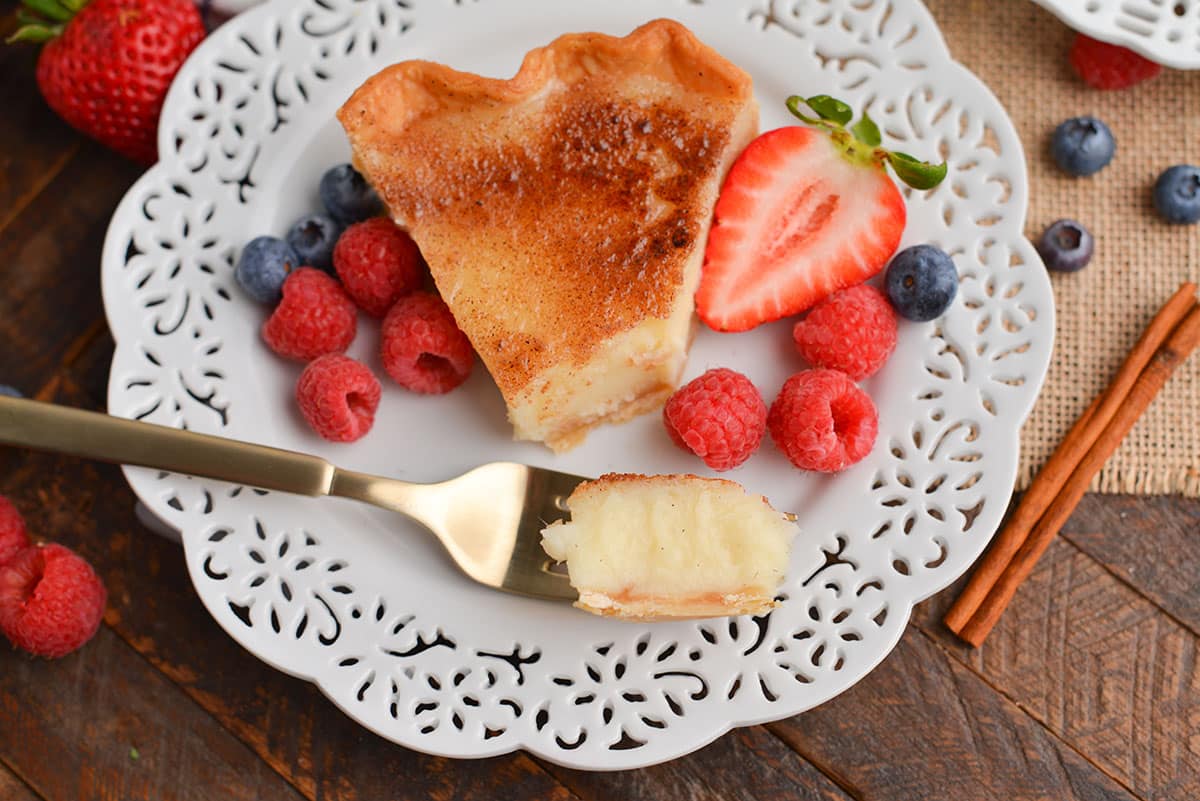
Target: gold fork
x: 489, y: 519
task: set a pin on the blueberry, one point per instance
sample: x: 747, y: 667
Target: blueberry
x: 347, y: 196
x: 264, y: 266
x: 1083, y: 145
x: 1066, y: 246
x: 313, y: 238
x: 10, y: 392
x: 921, y: 282
x: 1177, y: 194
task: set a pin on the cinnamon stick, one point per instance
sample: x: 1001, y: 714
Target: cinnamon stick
x: 1066, y: 458
x: 1178, y: 347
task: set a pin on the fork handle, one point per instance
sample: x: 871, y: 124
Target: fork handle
x: 47, y: 427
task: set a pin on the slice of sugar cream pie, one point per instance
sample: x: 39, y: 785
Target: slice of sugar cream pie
x: 667, y: 547
x: 563, y: 212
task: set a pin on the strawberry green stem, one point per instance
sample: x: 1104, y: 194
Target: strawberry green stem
x: 35, y: 33
x: 43, y: 20
x: 861, y: 143
x: 857, y: 151
x: 50, y: 8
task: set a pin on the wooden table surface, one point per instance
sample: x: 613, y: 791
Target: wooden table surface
x: 1088, y: 689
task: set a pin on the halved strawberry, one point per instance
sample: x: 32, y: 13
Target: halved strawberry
x: 802, y: 214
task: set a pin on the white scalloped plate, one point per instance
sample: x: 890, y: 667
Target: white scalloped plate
x: 1166, y: 31
x: 363, y: 603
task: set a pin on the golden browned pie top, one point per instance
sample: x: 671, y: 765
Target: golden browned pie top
x: 556, y: 209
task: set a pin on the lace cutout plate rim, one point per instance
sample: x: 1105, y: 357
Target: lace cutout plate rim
x: 364, y: 604
x: 1165, y: 31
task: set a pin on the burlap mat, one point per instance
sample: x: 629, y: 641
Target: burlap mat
x: 1020, y: 52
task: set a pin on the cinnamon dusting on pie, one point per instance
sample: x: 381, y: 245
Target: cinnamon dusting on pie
x: 563, y: 210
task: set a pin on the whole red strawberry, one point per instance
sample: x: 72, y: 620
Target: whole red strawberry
x: 1108, y: 66
x: 107, y: 64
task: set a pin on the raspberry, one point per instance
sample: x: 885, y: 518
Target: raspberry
x: 1108, y: 66
x: 314, y: 318
x: 338, y: 397
x: 823, y: 421
x: 853, y: 331
x: 719, y: 416
x: 378, y: 263
x: 51, y: 600
x: 12, y: 531
x: 423, y: 348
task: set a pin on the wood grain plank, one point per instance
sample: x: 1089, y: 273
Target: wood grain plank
x: 51, y: 259
x: 1100, y: 666
x: 102, y: 723
x: 746, y: 764
x: 34, y: 143
x: 1152, y: 544
x: 13, y: 789
x: 923, y: 726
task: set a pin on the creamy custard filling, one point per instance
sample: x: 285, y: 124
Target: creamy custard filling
x: 635, y: 372
x: 671, y: 546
